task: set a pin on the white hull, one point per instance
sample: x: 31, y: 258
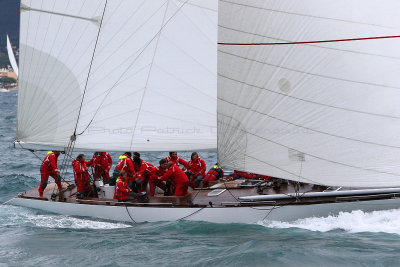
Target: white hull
x: 248, y: 215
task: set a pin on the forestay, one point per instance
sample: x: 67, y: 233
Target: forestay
x: 121, y: 74
x: 325, y: 113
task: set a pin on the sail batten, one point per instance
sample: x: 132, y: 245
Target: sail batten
x: 324, y: 113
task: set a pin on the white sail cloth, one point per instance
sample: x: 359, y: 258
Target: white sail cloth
x: 152, y: 81
x: 326, y: 113
x: 11, y: 56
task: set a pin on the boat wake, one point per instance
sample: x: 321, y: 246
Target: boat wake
x: 11, y: 216
x: 387, y: 221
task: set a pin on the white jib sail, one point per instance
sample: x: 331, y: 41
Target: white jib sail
x: 152, y: 81
x: 11, y: 56
x: 325, y: 113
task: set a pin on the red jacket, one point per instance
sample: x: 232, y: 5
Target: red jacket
x: 104, y: 161
x: 149, y: 168
x: 177, y: 161
x: 121, y: 189
x: 125, y: 163
x: 197, y: 166
x: 139, y: 169
x: 49, y: 164
x: 244, y: 174
x: 157, y: 172
x: 80, y: 173
x: 176, y: 175
x: 217, y: 172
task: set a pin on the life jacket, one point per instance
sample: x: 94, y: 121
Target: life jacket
x: 49, y: 163
x: 197, y: 166
x: 125, y: 163
x: 176, y: 175
x: 121, y: 191
x: 216, y: 171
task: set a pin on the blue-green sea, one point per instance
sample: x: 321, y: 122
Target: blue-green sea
x: 35, y: 238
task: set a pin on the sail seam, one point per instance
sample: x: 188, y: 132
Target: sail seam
x: 307, y: 16
x: 309, y: 73
x: 318, y: 46
x: 91, y: 64
x: 315, y: 42
x: 149, y: 74
x: 53, y: 72
x: 309, y: 101
x: 133, y: 62
x: 320, y: 158
x: 307, y: 128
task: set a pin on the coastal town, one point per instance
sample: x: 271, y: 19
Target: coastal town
x: 8, y: 77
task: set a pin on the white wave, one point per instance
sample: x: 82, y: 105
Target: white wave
x: 10, y: 215
x: 387, y: 221
x: 65, y: 222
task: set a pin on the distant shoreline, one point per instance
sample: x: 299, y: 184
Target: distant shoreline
x: 10, y: 89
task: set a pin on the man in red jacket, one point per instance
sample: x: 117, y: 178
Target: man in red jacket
x: 49, y: 168
x: 215, y: 173
x: 157, y: 172
x: 139, y: 167
x: 196, y: 170
x: 81, y: 174
x: 125, y: 164
x: 178, y: 178
x: 124, y: 193
x: 102, y: 163
x: 173, y: 157
x: 143, y: 170
x: 122, y: 190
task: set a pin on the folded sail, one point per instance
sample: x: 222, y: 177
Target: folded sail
x: 121, y: 74
x: 320, y: 112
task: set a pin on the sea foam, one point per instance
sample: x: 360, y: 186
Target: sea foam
x: 10, y: 216
x: 387, y: 221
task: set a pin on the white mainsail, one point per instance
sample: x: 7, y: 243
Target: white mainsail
x: 325, y: 113
x: 11, y: 56
x: 150, y: 86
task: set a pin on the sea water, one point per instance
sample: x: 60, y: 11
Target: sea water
x: 35, y: 238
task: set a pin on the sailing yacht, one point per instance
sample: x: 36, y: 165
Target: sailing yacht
x: 306, y: 91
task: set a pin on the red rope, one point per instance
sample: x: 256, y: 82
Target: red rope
x: 317, y: 42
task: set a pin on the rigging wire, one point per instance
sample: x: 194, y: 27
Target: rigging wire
x: 133, y: 62
x: 316, y: 42
x: 149, y: 74
x: 90, y: 67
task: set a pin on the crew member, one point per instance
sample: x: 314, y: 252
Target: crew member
x: 196, y: 170
x: 177, y: 177
x: 125, y: 164
x: 139, y: 168
x: 216, y: 172
x: 49, y: 168
x: 81, y: 174
x: 239, y: 174
x: 173, y: 157
x: 142, y: 169
x: 122, y: 190
x: 102, y: 163
x: 157, y: 172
